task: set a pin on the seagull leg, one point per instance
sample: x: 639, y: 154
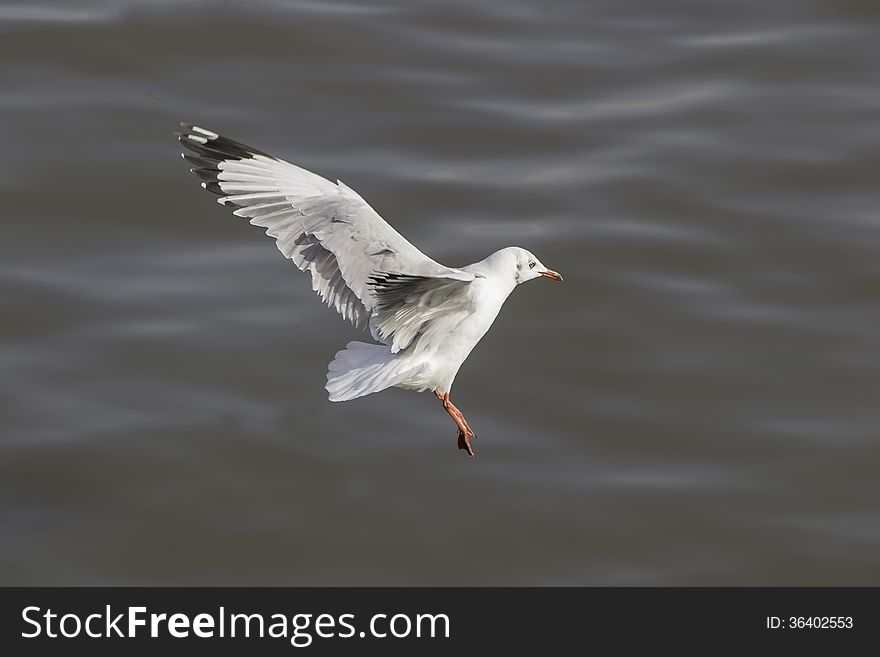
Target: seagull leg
x: 464, y: 429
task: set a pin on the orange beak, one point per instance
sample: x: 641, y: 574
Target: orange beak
x: 552, y: 275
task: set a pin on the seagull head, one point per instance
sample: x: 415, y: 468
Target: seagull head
x: 527, y: 266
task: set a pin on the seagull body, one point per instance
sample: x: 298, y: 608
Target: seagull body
x: 426, y: 317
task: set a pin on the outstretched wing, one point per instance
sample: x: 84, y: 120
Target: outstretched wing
x: 325, y: 228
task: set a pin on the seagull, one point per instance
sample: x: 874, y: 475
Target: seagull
x: 425, y: 316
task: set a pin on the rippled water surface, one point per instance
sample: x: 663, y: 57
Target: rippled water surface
x: 698, y: 403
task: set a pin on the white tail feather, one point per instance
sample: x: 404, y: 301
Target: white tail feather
x: 362, y: 369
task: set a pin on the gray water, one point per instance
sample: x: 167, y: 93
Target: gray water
x: 696, y: 404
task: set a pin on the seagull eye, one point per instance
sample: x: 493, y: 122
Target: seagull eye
x: 532, y: 264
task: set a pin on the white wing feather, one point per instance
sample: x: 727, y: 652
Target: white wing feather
x: 330, y: 231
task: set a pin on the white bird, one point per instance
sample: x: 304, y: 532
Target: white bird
x: 426, y: 316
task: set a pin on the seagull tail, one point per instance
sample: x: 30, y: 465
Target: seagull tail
x: 362, y: 369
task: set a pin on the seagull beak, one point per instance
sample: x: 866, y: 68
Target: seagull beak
x: 552, y: 275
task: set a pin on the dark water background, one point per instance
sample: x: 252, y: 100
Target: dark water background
x: 697, y: 404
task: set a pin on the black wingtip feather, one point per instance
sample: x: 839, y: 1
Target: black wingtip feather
x: 200, y: 162
x: 208, y: 151
x: 208, y: 175
x: 213, y: 187
x: 215, y: 144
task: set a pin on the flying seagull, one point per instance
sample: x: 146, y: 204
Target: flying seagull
x: 426, y: 316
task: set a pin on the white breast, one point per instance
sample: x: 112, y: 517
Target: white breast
x: 447, y: 342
